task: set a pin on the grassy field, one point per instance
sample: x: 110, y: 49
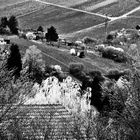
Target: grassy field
x: 21, y: 8
x: 100, y: 32
x: 117, y: 9
x: 56, y: 56
x: 64, y: 20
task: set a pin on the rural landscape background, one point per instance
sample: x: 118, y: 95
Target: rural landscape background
x: 69, y: 69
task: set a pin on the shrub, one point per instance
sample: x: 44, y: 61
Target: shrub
x: 89, y: 40
x: 75, y: 68
x: 82, y: 54
x: 114, y: 74
x: 114, y: 55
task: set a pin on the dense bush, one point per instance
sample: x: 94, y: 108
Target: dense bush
x: 114, y: 55
x: 75, y: 68
x: 115, y: 74
x: 89, y: 40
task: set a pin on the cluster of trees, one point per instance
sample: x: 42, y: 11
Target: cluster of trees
x: 50, y: 35
x: 11, y: 24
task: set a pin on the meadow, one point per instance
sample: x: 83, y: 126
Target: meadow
x: 64, y: 20
x: 20, y: 8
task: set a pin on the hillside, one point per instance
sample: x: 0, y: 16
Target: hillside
x: 62, y: 57
x: 99, y: 32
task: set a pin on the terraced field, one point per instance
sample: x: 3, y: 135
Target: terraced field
x: 21, y: 8
x: 64, y: 20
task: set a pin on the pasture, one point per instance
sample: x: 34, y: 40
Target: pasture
x: 64, y: 20
x: 21, y: 8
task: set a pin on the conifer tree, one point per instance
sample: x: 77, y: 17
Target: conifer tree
x: 14, y: 60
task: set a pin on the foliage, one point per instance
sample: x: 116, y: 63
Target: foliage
x: 66, y: 93
x: 51, y: 34
x: 14, y: 60
x: 13, y: 25
x: 75, y: 68
x: 40, y: 28
x: 89, y: 40
x: 33, y: 63
x: 4, y: 22
x: 12, y: 96
x: 114, y: 74
x: 115, y: 55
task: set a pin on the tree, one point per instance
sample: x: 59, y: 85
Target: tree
x: 33, y: 63
x: 40, y: 28
x: 13, y: 25
x: 12, y: 97
x: 51, y: 35
x: 4, y: 22
x: 14, y: 60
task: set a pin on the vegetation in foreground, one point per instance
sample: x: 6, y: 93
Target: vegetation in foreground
x: 103, y: 106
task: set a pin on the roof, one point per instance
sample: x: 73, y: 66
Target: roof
x: 52, y: 121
